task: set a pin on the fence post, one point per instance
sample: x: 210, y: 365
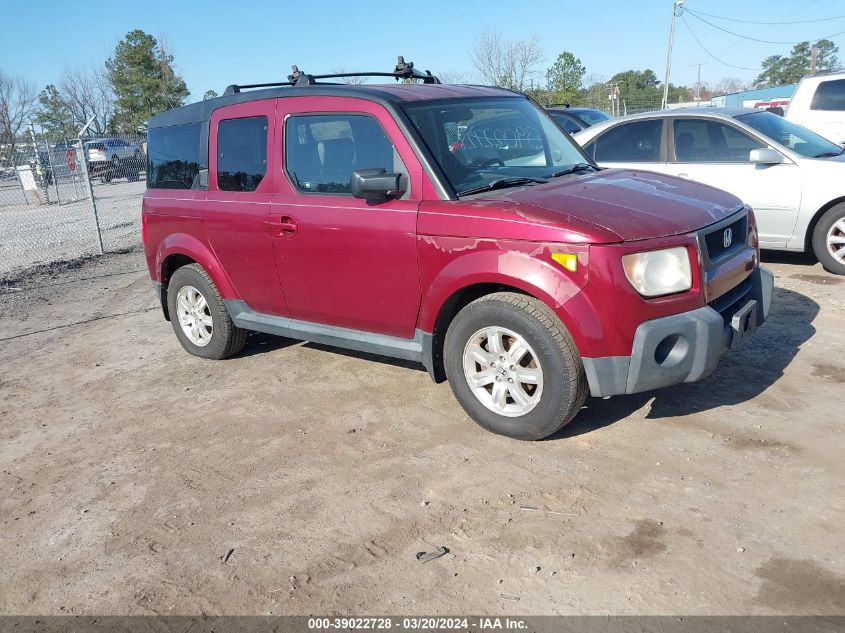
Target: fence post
x: 40, y: 172
x: 84, y: 161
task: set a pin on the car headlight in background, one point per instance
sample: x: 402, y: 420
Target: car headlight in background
x: 656, y: 273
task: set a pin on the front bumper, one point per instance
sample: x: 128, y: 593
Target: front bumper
x: 682, y: 347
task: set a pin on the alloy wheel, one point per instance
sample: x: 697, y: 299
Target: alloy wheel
x: 503, y: 371
x: 194, y: 316
x: 836, y: 240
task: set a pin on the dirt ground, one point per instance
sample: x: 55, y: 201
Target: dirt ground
x: 293, y: 479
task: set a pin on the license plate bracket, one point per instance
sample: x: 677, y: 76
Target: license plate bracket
x: 743, y: 323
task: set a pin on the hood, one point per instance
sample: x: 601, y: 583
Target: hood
x: 632, y: 204
x: 836, y: 160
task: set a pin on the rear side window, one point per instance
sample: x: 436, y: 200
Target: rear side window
x: 636, y: 142
x: 322, y: 151
x: 174, y: 157
x: 241, y: 153
x: 830, y: 95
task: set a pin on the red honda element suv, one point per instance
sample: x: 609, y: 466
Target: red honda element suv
x: 455, y: 226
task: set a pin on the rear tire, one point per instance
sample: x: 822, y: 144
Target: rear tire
x: 515, y: 345
x: 199, y: 318
x: 829, y: 239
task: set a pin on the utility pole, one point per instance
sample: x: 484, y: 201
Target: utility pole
x: 814, y: 59
x: 676, y: 9
x: 698, y: 85
x: 614, y: 98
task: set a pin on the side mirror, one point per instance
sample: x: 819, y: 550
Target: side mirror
x: 766, y: 156
x: 375, y: 184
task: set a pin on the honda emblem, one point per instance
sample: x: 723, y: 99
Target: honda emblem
x: 727, y: 238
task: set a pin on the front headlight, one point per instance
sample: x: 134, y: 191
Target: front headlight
x: 656, y: 273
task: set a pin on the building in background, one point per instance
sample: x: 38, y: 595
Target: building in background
x: 761, y: 99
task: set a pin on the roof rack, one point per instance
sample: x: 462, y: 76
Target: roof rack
x: 403, y: 71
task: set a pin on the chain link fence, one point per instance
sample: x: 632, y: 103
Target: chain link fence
x: 624, y: 107
x: 62, y: 199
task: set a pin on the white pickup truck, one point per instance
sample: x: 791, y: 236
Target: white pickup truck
x: 819, y: 104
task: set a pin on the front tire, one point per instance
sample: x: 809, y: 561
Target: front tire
x: 829, y: 239
x: 513, y: 366
x: 200, y: 320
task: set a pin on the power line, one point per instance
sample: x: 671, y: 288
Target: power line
x: 704, y: 48
x: 795, y: 13
x: 753, y: 39
x: 719, y: 17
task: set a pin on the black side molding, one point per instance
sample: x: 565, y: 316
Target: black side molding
x: 417, y: 349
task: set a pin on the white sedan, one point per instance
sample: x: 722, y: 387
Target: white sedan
x: 793, y: 178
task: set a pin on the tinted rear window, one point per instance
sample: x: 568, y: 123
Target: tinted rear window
x: 636, y: 142
x: 830, y: 95
x: 241, y: 153
x: 174, y: 157
x: 566, y: 123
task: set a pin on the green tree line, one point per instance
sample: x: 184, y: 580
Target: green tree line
x: 780, y: 70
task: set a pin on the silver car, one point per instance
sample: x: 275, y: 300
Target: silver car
x: 114, y: 158
x: 793, y: 178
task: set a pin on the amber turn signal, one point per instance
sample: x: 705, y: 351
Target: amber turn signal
x: 567, y: 260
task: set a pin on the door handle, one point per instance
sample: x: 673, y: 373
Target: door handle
x: 683, y: 175
x: 283, y: 226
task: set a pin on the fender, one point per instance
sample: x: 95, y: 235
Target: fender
x: 448, y: 265
x: 802, y: 237
x: 201, y: 253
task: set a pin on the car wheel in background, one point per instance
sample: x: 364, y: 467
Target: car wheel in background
x: 513, y: 366
x: 829, y: 239
x: 199, y: 318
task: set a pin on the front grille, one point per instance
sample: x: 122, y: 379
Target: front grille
x: 732, y: 300
x: 715, y: 240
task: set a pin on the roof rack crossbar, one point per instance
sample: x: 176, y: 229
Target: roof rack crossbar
x: 404, y: 70
x: 236, y: 88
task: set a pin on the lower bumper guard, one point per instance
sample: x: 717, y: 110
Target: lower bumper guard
x: 681, y: 347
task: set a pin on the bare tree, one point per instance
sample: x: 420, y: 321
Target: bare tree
x: 512, y: 64
x: 87, y: 91
x: 452, y: 77
x: 17, y: 101
x: 729, y: 85
x: 350, y: 81
x: 595, y: 91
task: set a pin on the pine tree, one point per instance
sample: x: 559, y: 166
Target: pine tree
x: 144, y: 81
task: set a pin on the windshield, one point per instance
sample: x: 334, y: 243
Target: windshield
x: 479, y: 141
x: 798, y: 139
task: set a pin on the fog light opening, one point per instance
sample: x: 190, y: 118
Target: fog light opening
x: 671, y: 350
